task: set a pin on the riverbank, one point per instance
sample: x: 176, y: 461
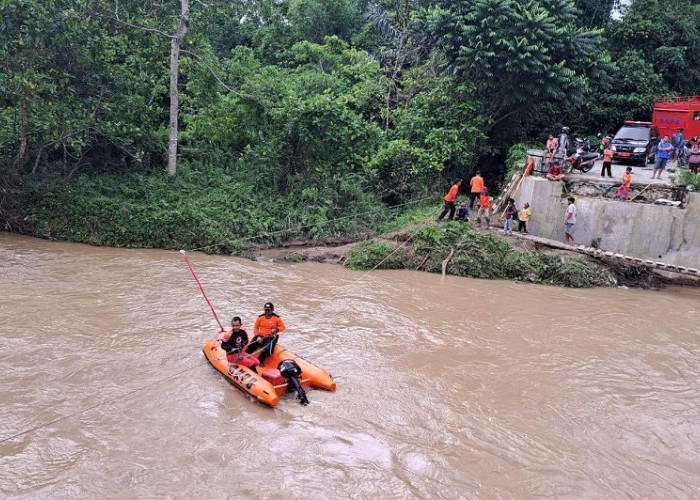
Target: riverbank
x: 462, y: 250
x: 156, y: 212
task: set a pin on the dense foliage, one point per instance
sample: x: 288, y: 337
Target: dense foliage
x: 295, y: 115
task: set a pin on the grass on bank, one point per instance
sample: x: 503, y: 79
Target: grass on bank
x: 200, y: 208
x: 478, y: 254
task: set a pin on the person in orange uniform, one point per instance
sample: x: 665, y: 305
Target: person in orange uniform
x: 266, y: 329
x: 477, y: 184
x: 451, y: 201
x: 484, y: 208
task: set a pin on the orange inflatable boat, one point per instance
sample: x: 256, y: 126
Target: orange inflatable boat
x: 265, y: 383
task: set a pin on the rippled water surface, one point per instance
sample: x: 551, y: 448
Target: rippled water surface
x: 447, y: 388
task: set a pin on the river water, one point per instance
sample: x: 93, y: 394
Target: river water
x: 447, y: 387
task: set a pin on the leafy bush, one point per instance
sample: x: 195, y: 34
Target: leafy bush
x: 688, y: 178
x: 375, y: 255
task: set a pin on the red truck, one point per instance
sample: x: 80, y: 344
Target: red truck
x: 670, y: 113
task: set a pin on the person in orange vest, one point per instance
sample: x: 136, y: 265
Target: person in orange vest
x: 477, y: 184
x: 484, y: 208
x: 451, y: 201
x: 266, y: 329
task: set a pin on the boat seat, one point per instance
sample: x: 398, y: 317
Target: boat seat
x: 244, y: 360
x: 273, y: 376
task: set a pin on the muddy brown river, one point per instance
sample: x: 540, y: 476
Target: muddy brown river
x: 447, y: 387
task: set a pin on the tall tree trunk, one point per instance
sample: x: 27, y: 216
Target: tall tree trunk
x: 175, y: 43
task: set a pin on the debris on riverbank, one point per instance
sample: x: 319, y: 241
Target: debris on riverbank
x: 461, y: 250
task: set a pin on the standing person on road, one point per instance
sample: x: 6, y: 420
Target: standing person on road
x: 662, y: 154
x: 569, y: 221
x: 451, y: 200
x: 678, y: 143
x: 564, y: 141
x: 694, y: 156
x: 476, y: 184
x: 607, y: 160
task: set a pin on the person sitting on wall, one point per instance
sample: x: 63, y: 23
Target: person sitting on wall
x: 555, y: 172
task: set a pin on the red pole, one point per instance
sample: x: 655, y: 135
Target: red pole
x: 202, y: 289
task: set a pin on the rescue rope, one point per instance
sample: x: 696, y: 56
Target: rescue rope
x: 111, y: 400
x: 184, y: 254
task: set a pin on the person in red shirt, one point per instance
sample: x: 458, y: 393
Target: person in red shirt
x: 450, y: 201
x: 266, y: 329
x: 555, y: 172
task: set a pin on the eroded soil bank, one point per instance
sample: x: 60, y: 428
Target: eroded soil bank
x: 465, y: 251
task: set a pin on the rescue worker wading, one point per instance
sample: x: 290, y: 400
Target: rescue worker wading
x: 266, y: 329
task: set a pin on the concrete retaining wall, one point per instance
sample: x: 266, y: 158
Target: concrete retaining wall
x: 646, y: 231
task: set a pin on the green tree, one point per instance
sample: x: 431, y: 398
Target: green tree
x: 519, y: 54
x: 596, y: 13
x: 667, y: 35
x: 312, y: 20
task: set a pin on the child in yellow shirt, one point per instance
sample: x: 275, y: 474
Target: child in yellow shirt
x: 524, y: 215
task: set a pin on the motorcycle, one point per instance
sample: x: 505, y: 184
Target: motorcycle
x: 583, y: 143
x: 582, y: 159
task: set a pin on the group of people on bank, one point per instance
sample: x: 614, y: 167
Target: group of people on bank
x: 266, y: 330
x: 556, y: 147
x: 479, y: 193
x: 685, y: 151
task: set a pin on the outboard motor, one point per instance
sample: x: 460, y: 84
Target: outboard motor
x: 291, y: 371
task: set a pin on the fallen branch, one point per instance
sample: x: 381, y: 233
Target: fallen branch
x: 447, y: 260
x: 422, y: 263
